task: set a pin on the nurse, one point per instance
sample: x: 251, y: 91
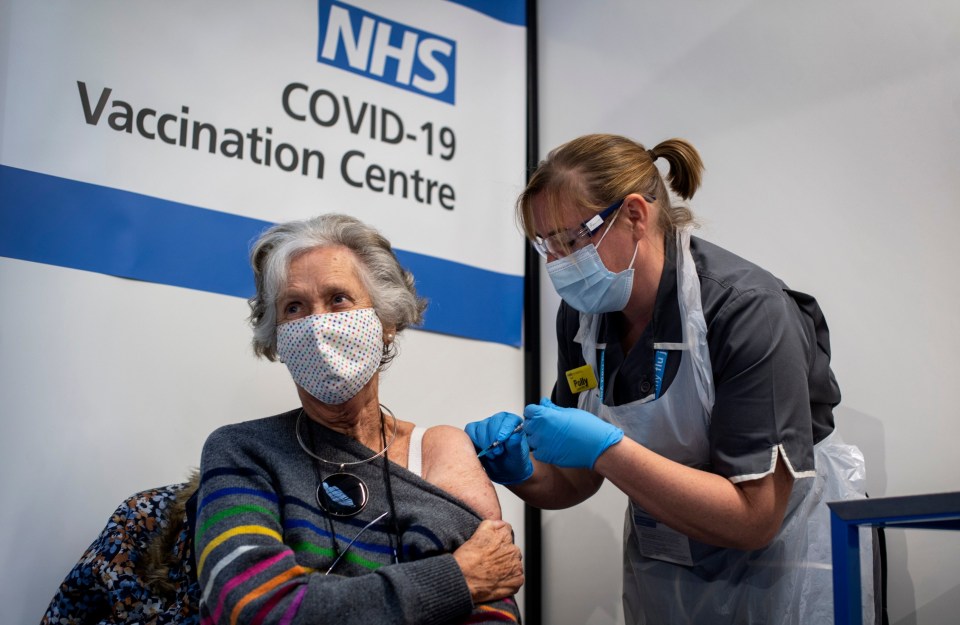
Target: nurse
x: 693, y: 380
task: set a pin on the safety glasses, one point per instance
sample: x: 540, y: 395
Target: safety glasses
x: 560, y: 243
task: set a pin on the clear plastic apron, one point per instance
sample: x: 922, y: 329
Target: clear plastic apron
x: 669, y: 578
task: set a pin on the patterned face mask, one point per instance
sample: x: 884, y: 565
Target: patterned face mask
x: 332, y: 355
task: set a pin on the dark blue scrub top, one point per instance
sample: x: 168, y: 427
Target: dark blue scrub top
x: 769, y: 348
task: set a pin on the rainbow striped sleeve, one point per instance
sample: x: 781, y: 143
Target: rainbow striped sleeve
x: 247, y: 574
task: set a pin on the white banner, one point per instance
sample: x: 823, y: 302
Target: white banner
x: 154, y: 141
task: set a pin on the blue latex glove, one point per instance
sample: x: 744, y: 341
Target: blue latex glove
x: 567, y: 437
x: 509, y: 463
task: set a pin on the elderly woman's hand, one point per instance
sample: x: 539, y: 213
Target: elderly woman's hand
x: 491, y: 562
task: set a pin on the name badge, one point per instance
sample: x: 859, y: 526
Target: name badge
x: 581, y: 379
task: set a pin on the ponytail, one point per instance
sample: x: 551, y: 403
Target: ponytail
x: 686, y: 168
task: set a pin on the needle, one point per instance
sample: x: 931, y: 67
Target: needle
x: 496, y: 444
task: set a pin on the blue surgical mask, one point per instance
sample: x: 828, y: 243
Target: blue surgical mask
x: 584, y: 282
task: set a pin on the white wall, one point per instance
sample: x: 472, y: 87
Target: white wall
x: 110, y: 386
x: 831, y: 137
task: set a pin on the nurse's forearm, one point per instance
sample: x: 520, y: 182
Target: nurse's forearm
x: 553, y: 488
x: 704, y: 506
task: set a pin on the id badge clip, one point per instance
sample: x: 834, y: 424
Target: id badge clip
x: 581, y: 379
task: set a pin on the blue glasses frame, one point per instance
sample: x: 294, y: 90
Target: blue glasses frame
x: 560, y: 243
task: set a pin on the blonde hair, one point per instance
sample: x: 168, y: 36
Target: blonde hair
x: 595, y: 171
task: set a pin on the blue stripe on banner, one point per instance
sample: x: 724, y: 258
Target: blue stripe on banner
x: 509, y: 11
x: 52, y: 220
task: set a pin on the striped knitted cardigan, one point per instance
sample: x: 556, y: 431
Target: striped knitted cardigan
x: 263, y: 544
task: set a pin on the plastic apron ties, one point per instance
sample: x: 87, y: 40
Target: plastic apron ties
x: 669, y: 578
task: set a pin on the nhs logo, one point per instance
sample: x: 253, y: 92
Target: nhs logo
x: 364, y: 43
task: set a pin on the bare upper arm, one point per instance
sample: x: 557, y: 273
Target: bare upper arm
x: 450, y: 462
x: 768, y: 498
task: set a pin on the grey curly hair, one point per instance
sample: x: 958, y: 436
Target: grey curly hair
x: 391, y: 287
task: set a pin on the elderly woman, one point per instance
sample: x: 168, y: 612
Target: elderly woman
x: 338, y: 511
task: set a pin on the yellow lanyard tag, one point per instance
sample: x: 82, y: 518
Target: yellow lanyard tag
x: 581, y: 379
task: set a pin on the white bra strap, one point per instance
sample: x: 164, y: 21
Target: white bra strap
x: 415, y: 455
